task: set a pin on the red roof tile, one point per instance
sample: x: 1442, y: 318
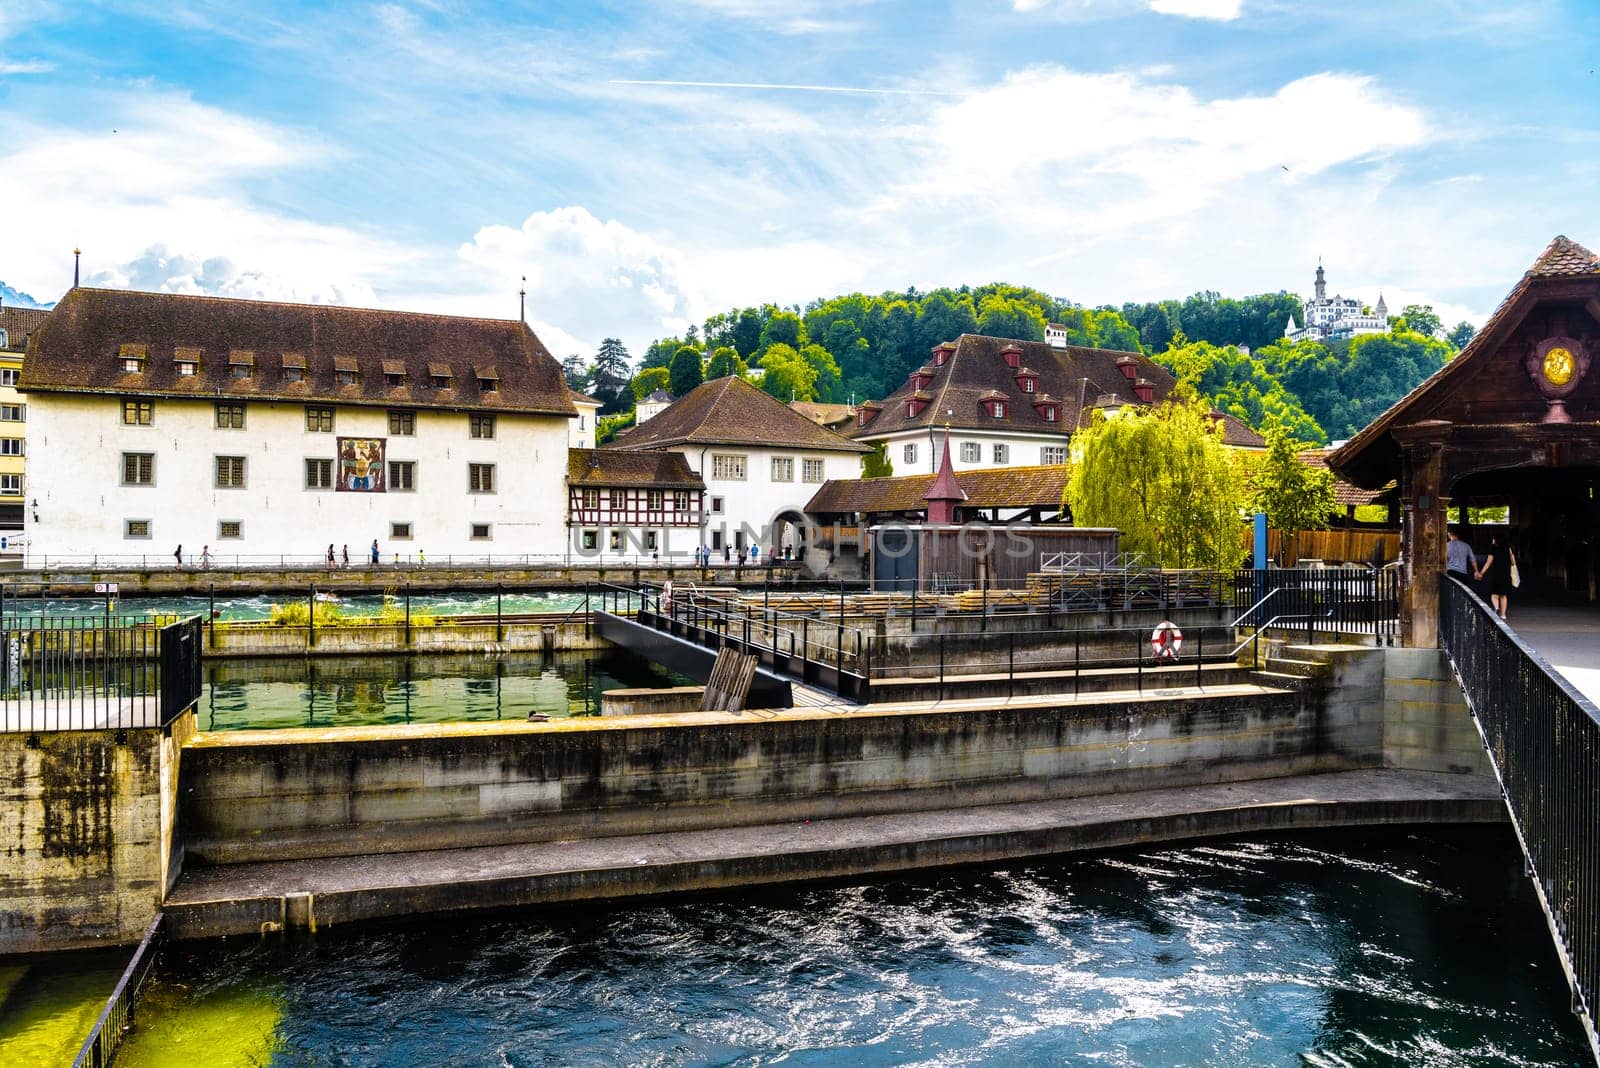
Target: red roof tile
x: 731, y: 411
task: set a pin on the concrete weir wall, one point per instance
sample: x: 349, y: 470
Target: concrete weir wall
x: 87, y: 849
x: 278, y: 795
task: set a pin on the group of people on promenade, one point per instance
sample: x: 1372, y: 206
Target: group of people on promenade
x: 1497, y: 571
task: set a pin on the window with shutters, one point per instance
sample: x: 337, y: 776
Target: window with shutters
x: 1002, y: 453
x: 480, y: 478
x: 910, y: 453
x: 1053, y: 454
x: 319, y: 474
x: 319, y: 420
x: 230, y: 417
x: 230, y: 472
x: 138, y: 469
x: 402, y: 475
x: 971, y: 452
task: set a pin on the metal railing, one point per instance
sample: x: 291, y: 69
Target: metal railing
x: 72, y: 674
x: 1543, y: 738
x: 1333, y: 601
x: 684, y: 560
x: 118, y: 1015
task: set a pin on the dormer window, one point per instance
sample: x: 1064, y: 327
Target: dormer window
x: 1012, y: 355
x: 997, y: 408
x: 440, y: 376
x: 1027, y: 385
x: 488, y: 379
x: 942, y: 353
x: 345, y: 371
x: 241, y: 363
x: 131, y: 359
x: 912, y: 408
x: 1049, y: 412
x: 294, y: 367
x: 919, y: 380
x: 186, y: 362
x: 394, y: 374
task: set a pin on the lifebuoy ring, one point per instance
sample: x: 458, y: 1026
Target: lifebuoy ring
x: 1166, y: 640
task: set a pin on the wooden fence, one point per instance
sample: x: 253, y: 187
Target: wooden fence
x: 1329, y: 546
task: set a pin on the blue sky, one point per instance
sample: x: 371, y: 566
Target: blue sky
x: 648, y: 163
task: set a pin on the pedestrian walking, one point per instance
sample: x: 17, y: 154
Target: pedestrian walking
x: 1459, y: 559
x: 330, y: 556
x: 205, y: 558
x: 177, y: 554
x: 755, y: 554
x: 1499, y: 574
x: 346, y: 558
x: 375, y: 553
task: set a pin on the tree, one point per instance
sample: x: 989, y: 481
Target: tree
x: 686, y: 372
x: 783, y: 328
x: 1009, y: 317
x: 576, y: 371
x: 1462, y: 334
x: 611, y: 377
x: 648, y: 381
x: 787, y: 375
x: 876, y: 464
x: 1163, y: 478
x: 724, y: 362
x: 607, y: 427
x: 747, y: 332
x: 661, y: 351
x: 1294, y: 495
x: 1420, y: 319
x: 828, y: 385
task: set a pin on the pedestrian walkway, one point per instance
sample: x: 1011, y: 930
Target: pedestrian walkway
x: 1566, y: 635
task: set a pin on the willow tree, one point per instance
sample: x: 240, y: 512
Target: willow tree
x: 1164, y: 479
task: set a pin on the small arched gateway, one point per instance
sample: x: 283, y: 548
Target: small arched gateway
x: 1513, y: 420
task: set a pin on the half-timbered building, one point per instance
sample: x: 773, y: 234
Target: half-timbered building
x: 633, y: 506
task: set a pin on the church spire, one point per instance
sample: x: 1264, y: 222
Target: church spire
x: 946, y: 492
x: 1322, y: 282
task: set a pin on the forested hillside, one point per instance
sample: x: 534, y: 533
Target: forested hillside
x: 857, y: 347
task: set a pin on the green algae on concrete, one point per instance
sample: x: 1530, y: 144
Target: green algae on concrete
x: 183, y: 1025
x: 52, y: 1004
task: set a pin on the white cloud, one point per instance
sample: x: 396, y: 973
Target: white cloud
x: 1223, y: 10
x: 596, y: 278
x: 26, y: 66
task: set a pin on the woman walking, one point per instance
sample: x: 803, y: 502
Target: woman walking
x: 1496, y: 573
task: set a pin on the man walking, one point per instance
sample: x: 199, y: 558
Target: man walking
x: 1459, y: 559
x: 374, y: 552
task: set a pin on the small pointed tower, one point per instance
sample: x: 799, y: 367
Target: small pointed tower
x: 1382, y: 310
x: 1322, y: 283
x: 946, y: 492
x: 1290, y: 327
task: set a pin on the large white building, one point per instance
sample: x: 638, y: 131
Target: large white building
x: 1338, y: 317
x: 1012, y: 403
x: 263, y: 430
x: 761, y: 461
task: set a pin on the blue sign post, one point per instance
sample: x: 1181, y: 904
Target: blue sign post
x: 1261, y: 540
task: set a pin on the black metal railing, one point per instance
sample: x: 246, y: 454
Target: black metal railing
x: 118, y: 1015
x: 1543, y: 738
x: 1327, y: 601
x: 69, y: 674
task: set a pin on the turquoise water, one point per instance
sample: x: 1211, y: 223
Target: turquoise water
x: 1329, y: 950
x: 350, y: 691
x: 464, y: 602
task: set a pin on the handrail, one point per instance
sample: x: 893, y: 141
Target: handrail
x: 1249, y: 611
x: 117, y: 1016
x: 1274, y: 621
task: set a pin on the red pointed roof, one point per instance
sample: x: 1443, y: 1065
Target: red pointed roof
x: 945, y: 487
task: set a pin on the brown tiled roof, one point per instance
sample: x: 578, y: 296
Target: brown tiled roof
x: 829, y: 415
x: 994, y: 487
x: 75, y: 351
x: 614, y: 467
x: 1370, y: 458
x: 976, y: 369
x: 19, y: 323
x: 584, y: 397
x: 1237, y: 432
x: 1343, y: 492
x: 731, y: 411
x: 245, y: 358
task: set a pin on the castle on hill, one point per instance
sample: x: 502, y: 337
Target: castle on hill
x: 1336, y: 318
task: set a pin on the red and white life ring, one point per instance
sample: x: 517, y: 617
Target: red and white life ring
x: 1166, y: 640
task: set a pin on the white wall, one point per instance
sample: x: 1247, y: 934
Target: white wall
x: 580, y: 431
x: 76, y: 442
x: 1024, y: 450
x: 751, y: 505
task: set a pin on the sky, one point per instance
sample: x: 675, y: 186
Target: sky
x: 646, y: 164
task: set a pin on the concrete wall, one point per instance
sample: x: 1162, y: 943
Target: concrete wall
x: 1427, y: 726
x: 81, y: 834
x: 669, y: 700
x: 445, y: 636
x: 271, y: 795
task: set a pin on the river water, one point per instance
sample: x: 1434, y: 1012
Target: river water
x: 1333, y: 949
